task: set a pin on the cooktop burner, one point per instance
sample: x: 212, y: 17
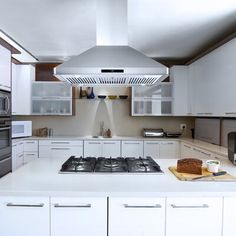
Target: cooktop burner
x: 110, y: 165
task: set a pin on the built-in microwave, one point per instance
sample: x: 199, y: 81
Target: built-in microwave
x: 21, y: 129
x: 5, y: 104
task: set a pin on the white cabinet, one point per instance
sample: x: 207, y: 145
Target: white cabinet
x: 98, y: 148
x: 132, y: 148
x: 22, y: 77
x: 152, y: 100
x: 186, y: 151
x: 151, y: 149
x: 5, y: 69
x: 229, y: 216
x: 137, y: 216
x: 169, y: 149
x: 30, y: 150
x: 78, y: 216
x: 60, y: 148
x: 194, y: 216
x: 17, y: 155
x: 24, y: 216
x: 51, y: 98
x: 200, y: 153
x: 181, y: 95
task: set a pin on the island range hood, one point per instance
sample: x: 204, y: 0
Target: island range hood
x: 112, y: 61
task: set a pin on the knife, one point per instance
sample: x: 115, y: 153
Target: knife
x: 211, y: 175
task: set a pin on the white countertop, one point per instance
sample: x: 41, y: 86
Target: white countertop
x: 41, y: 177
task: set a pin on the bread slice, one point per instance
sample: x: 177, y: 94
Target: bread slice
x: 190, y: 166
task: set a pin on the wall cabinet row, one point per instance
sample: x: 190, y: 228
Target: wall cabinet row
x: 74, y: 216
x: 5, y: 69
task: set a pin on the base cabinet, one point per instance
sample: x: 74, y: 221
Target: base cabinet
x: 194, y: 216
x: 136, y: 216
x: 229, y: 216
x: 78, y: 216
x: 24, y: 216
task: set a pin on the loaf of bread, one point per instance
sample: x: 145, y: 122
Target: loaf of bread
x: 190, y: 166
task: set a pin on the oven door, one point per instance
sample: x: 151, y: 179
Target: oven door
x: 5, y: 138
x: 5, y: 103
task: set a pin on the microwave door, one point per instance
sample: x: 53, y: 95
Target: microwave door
x: 4, y: 105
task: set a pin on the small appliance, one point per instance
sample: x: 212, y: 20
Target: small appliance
x: 21, y: 129
x: 153, y: 133
x: 5, y: 104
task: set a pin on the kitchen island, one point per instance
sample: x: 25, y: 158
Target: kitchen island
x: 54, y: 204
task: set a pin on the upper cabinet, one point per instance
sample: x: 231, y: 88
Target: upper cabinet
x: 182, y: 105
x: 22, y: 77
x: 152, y: 100
x: 51, y: 98
x: 5, y: 69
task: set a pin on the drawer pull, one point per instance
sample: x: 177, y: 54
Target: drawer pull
x: 152, y: 143
x: 208, y: 154
x: 142, y: 206
x: 186, y: 206
x: 132, y: 143
x: 30, y: 142
x: 60, y: 148
x: 186, y: 146
x: 24, y: 205
x: 60, y: 142
x: 30, y: 154
x: 196, y: 150
x: 109, y: 143
x: 94, y: 143
x: 230, y: 113
x: 72, y: 206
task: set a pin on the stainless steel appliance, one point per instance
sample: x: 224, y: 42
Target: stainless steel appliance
x: 153, y: 133
x: 110, y: 165
x: 232, y: 147
x: 5, y: 104
x: 5, y: 146
x: 21, y: 129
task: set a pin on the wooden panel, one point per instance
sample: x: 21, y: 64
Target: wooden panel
x: 9, y: 47
x: 44, y: 71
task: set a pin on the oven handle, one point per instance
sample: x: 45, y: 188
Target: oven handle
x: 5, y: 128
x: 5, y: 159
x: 8, y: 105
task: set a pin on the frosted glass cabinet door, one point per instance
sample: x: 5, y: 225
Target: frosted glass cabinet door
x: 137, y: 217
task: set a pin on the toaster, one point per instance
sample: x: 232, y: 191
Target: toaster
x: 153, y: 133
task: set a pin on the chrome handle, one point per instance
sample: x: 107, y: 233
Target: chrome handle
x: 7, y: 128
x: 21, y: 155
x: 30, y: 141
x: 166, y: 143
x: 142, y: 206
x: 94, y: 143
x: 230, y: 113
x: 29, y: 154
x: 196, y: 150
x: 50, y: 98
x: 8, y: 104
x: 60, y: 148
x: 72, y: 206
x: 24, y: 205
x: 109, y: 143
x: 133, y: 143
x: 58, y: 142
x: 6, y: 159
x: 187, y: 146
x: 152, y: 143
x: 208, y: 154
x: 204, y: 113
x: 190, y: 206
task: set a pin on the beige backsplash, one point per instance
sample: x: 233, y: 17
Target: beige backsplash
x: 115, y: 114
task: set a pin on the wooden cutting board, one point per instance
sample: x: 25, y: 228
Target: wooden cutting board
x: 189, y: 177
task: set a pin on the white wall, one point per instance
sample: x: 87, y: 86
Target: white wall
x: 115, y: 114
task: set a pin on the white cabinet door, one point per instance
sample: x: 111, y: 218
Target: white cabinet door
x: 5, y: 69
x: 78, y: 216
x: 111, y: 149
x: 14, y: 156
x: 186, y: 151
x: 24, y: 216
x: 132, y: 148
x: 151, y: 149
x: 22, y: 77
x: 30, y: 145
x: 169, y: 149
x: 194, y: 216
x: 93, y: 148
x: 137, y: 216
x: 17, y: 155
x: 30, y: 156
x: 229, y: 216
x: 199, y: 153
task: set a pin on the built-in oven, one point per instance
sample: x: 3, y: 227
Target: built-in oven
x: 5, y: 146
x: 5, y: 104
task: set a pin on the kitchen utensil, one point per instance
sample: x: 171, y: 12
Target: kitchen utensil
x: 213, y: 165
x: 211, y: 175
x: 90, y: 94
x: 123, y: 96
x: 102, y: 96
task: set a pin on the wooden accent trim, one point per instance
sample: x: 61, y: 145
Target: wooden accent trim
x: 44, y: 71
x: 13, y: 60
x: 9, y: 47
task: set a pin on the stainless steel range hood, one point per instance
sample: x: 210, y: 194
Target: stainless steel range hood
x: 112, y: 61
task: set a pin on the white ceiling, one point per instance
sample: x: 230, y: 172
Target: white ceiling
x: 57, y: 29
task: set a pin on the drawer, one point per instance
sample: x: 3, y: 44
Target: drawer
x: 20, y: 147
x: 60, y: 142
x: 31, y: 145
x: 30, y: 156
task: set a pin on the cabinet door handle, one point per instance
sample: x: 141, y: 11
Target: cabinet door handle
x: 187, y: 146
x: 58, y: 142
x: 60, y: 148
x: 208, y: 154
x: 30, y: 142
x: 152, y: 143
x: 51, y: 98
x: 94, y: 143
x: 196, y: 150
x: 24, y: 205
x: 142, y: 206
x: 30, y: 154
x: 167, y: 143
x: 230, y: 113
x: 21, y: 155
x: 190, y: 206
x: 109, y: 143
x: 72, y: 206
x: 204, y: 113
x: 133, y: 143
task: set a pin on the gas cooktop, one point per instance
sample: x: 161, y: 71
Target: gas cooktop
x: 110, y: 165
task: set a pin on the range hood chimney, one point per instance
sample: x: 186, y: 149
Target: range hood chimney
x: 111, y: 61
